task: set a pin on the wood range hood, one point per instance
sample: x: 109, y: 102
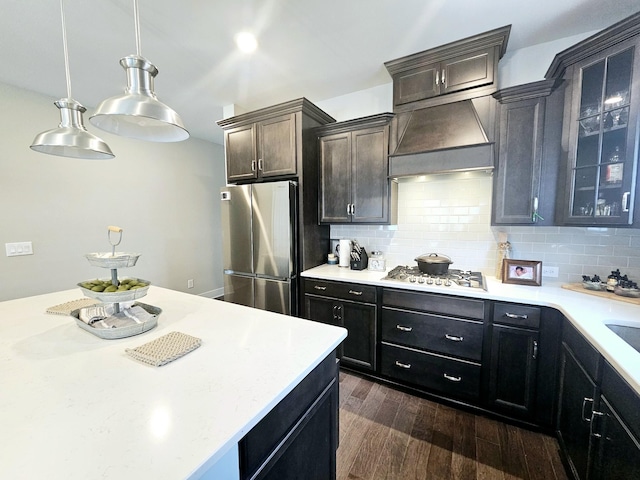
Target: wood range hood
x: 441, y: 139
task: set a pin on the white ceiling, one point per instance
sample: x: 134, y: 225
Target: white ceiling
x: 318, y: 49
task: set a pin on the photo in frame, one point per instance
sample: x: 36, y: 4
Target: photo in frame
x: 522, y: 272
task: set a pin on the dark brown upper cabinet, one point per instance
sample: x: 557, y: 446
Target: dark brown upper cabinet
x: 459, y: 70
x: 268, y: 143
x: 600, y: 127
x: 354, y: 169
x: 527, y: 153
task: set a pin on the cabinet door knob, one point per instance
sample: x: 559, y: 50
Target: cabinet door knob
x: 353, y: 209
x: 516, y: 316
x: 348, y: 209
x: 260, y: 164
x: 451, y: 378
x: 453, y: 338
x: 403, y: 365
x: 535, y: 349
x: 253, y: 165
x: 443, y: 80
x: 402, y: 328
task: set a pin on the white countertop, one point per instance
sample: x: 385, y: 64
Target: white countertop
x: 588, y: 313
x: 74, y: 406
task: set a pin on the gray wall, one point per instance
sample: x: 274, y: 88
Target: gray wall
x: 164, y: 195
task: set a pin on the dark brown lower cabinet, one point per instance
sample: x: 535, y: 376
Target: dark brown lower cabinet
x: 350, y: 306
x: 618, y: 452
x: 513, y: 368
x: 299, y: 437
x: 578, y: 392
x: 599, y: 416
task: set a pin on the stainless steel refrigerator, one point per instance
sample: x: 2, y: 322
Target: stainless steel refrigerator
x: 259, y: 245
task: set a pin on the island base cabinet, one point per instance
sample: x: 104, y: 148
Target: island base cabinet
x: 299, y: 437
x: 451, y: 377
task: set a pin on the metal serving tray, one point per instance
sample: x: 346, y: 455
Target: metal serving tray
x: 123, y: 332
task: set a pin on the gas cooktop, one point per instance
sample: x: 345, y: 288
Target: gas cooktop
x: 453, y: 277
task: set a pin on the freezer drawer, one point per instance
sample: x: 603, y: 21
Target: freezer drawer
x: 239, y: 289
x: 273, y: 295
x: 263, y: 293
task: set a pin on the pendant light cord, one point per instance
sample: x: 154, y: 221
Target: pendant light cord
x: 136, y: 20
x: 66, y: 51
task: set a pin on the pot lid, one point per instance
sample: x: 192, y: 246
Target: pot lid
x: 433, y: 258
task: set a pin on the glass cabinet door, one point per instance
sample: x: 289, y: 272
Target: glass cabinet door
x: 604, y: 169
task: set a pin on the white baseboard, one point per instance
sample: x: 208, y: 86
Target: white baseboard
x: 218, y: 292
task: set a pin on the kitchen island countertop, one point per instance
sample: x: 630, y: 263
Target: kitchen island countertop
x: 589, y: 314
x: 75, y: 406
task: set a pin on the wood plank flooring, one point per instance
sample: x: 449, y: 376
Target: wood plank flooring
x: 386, y: 434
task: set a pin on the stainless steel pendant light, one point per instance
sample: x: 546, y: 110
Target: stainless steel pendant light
x: 71, y: 138
x: 138, y: 113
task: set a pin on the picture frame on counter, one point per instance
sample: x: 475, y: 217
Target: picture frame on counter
x: 522, y: 272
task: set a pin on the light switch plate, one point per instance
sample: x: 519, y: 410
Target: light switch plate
x: 18, y: 248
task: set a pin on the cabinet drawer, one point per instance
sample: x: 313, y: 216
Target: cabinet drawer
x: 435, y: 303
x: 451, y: 336
x: 346, y: 291
x: 516, y: 315
x: 455, y: 378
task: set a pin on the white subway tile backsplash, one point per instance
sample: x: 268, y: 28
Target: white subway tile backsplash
x: 451, y: 215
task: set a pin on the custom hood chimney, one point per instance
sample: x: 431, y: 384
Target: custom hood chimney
x: 439, y: 139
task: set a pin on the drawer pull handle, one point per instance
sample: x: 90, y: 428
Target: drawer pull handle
x: 403, y: 365
x: 595, y: 414
x: 515, y: 315
x: 452, y: 378
x: 584, y: 402
x: 403, y: 328
x: 453, y: 338
x: 354, y: 292
x: 319, y: 287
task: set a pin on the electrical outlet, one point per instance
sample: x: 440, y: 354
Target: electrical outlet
x: 550, y: 272
x: 190, y: 283
x: 18, y: 248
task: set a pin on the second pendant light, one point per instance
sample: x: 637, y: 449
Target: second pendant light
x: 138, y: 113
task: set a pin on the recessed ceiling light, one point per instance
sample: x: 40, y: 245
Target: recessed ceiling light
x: 246, y: 42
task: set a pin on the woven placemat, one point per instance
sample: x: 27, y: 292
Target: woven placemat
x: 67, y: 308
x: 164, y: 349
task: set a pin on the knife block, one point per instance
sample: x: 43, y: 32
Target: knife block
x: 362, y: 263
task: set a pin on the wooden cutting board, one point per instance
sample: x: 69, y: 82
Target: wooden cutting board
x: 577, y: 287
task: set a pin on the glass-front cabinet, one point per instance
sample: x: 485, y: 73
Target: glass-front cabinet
x: 603, y: 169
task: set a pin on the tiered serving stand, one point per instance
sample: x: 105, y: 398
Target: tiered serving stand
x: 114, y: 260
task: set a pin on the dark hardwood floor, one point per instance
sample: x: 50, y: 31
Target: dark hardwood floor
x: 388, y: 434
